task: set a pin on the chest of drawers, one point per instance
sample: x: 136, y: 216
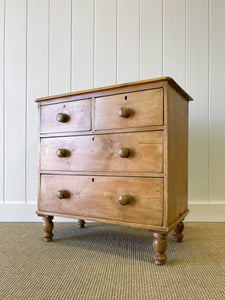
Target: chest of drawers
x: 117, y: 155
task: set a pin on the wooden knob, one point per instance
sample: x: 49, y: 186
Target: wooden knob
x: 124, y: 112
x: 62, y: 152
x: 62, y: 194
x: 62, y: 117
x: 124, y: 152
x: 124, y: 199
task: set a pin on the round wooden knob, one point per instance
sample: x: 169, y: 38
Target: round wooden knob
x: 62, y: 194
x: 124, y: 199
x: 124, y: 152
x: 62, y: 152
x: 124, y: 112
x: 62, y: 117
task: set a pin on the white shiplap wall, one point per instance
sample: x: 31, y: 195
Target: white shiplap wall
x: 57, y: 46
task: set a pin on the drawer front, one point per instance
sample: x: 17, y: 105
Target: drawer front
x: 135, y: 109
x: 124, y: 152
x: 127, y: 199
x: 65, y: 117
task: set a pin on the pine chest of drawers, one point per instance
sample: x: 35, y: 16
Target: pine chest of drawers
x: 117, y: 155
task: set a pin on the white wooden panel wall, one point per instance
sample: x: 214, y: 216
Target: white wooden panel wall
x: 128, y: 41
x: 37, y: 84
x: 105, y: 43
x: 2, y: 44
x: 174, y: 24
x: 197, y: 85
x: 217, y: 103
x: 59, y: 46
x: 15, y: 101
x: 55, y: 46
x: 82, y: 44
x: 151, y: 38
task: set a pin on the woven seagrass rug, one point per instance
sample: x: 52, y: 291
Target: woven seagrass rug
x: 110, y: 262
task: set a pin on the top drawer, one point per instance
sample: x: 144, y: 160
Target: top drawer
x: 137, y: 109
x: 65, y: 117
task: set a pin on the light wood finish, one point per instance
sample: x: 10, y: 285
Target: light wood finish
x: 177, y: 154
x: 78, y: 117
x: 127, y: 86
x: 159, y: 246
x: 48, y: 227
x: 99, y: 197
x: 81, y: 223
x: 104, y: 153
x: 105, y: 131
x: 129, y: 110
x: 154, y: 228
x: 177, y: 235
x: 128, y: 167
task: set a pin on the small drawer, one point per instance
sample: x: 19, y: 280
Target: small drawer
x: 66, y: 117
x: 121, y: 152
x: 127, y: 199
x: 137, y: 109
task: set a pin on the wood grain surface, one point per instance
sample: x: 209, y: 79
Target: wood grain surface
x: 101, y: 153
x: 97, y: 196
x: 78, y: 112
x: 145, y: 108
x: 177, y: 154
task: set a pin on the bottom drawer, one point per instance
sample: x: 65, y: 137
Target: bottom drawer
x: 127, y: 199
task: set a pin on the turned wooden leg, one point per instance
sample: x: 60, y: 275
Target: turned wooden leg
x: 81, y: 223
x: 177, y: 235
x: 159, y: 246
x: 48, y: 227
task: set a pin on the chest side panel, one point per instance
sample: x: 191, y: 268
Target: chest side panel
x: 177, y: 154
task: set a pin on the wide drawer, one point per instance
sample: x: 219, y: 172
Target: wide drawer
x: 121, y: 152
x: 102, y: 197
x: 136, y: 109
x: 65, y: 117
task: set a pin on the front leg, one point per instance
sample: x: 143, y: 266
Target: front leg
x: 159, y: 246
x: 81, y: 223
x: 48, y: 227
x: 177, y: 235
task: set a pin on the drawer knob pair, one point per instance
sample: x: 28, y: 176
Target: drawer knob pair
x: 124, y: 199
x: 62, y: 152
x: 63, y: 194
x: 124, y: 152
x: 63, y: 118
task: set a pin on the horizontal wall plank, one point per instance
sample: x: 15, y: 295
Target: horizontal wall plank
x: 128, y: 60
x: 15, y: 101
x: 37, y: 85
x: 150, y: 38
x: 197, y: 86
x: 82, y: 44
x: 59, y: 46
x: 2, y: 46
x: 105, y: 43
